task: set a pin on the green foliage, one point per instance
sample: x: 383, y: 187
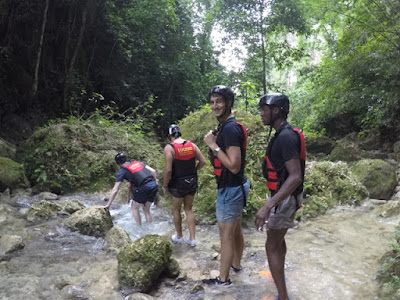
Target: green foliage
x: 78, y: 154
x: 389, y: 270
x: 327, y: 185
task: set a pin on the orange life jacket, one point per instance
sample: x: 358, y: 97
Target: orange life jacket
x: 140, y: 174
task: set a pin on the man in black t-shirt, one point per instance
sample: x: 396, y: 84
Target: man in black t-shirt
x: 143, y: 186
x: 228, y: 158
x: 283, y: 168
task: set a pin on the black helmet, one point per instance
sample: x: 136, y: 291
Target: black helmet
x: 223, y: 90
x: 276, y: 99
x: 120, y: 158
x: 173, y: 130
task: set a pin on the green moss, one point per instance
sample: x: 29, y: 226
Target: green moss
x: 378, y: 177
x: 12, y: 174
x: 141, y: 262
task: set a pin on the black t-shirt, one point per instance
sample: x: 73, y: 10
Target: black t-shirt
x: 231, y: 134
x: 284, y: 146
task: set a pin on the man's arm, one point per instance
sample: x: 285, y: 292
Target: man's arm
x: 200, y: 157
x: 288, y: 187
x: 114, y: 193
x: 169, y: 158
x: 153, y: 172
x: 231, y: 159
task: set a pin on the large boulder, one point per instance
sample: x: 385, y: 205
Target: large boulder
x: 7, y: 149
x: 141, y: 263
x: 12, y: 175
x: 347, y: 149
x: 319, y: 145
x: 377, y: 176
x: 95, y: 221
x: 117, y: 238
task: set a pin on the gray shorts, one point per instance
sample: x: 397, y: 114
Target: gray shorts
x: 283, y: 215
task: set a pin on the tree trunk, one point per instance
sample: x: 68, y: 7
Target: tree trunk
x: 66, y: 102
x: 36, y: 73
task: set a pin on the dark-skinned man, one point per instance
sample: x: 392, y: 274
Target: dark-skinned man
x: 283, y: 167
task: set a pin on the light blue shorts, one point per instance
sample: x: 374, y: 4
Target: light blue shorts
x: 230, y: 202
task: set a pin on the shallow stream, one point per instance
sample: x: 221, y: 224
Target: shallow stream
x: 331, y: 257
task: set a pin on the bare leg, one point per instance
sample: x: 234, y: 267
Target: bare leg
x: 238, y: 244
x: 135, y: 212
x: 226, y: 234
x: 177, y: 218
x: 188, y: 202
x: 276, y: 252
x: 147, y: 214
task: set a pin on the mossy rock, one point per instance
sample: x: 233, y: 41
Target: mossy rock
x: 95, y: 221
x: 78, y: 155
x: 141, y: 263
x: 377, y: 176
x: 172, y: 269
x: 327, y: 185
x: 43, y: 210
x: 12, y: 175
x: 117, y: 238
x: 319, y: 145
x: 390, y: 209
x: 347, y: 149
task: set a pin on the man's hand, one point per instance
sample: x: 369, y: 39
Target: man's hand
x: 165, y: 191
x: 211, y: 140
x: 106, y: 206
x: 262, y: 217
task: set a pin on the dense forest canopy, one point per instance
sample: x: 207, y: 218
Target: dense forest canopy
x: 154, y: 61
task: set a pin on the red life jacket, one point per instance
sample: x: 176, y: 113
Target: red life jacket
x: 140, y: 174
x: 269, y: 171
x: 218, y: 167
x: 184, y: 163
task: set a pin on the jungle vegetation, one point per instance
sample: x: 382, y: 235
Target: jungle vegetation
x: 155, y: 60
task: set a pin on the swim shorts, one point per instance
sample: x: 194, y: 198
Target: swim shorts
x: 230, y: 202
x: 145, y: 193
x: 283, y: 215
x: 184, y: 186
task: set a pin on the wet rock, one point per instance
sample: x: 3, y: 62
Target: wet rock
x: 390, y: 209
x: 10, y: 243
x: 377, y: 176
x: 172, y: 269
x: 141, y: 263
x: 12, y: 175
x: 48, y: 196
x: 117, y: 238
x: 5, y: 212
x: 94, y: 221
x: 43, y: 210
x: 139, y: 296
x: 396, y: 151
x: 70, y: 206
x: 197, y: 288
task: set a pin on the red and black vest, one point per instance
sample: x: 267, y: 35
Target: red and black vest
x: 275, y: 178
x: 224, y: 177
x: 140, y: 175
x: 184, y: 163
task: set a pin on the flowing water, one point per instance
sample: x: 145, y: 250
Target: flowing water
x: 331, y: 257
